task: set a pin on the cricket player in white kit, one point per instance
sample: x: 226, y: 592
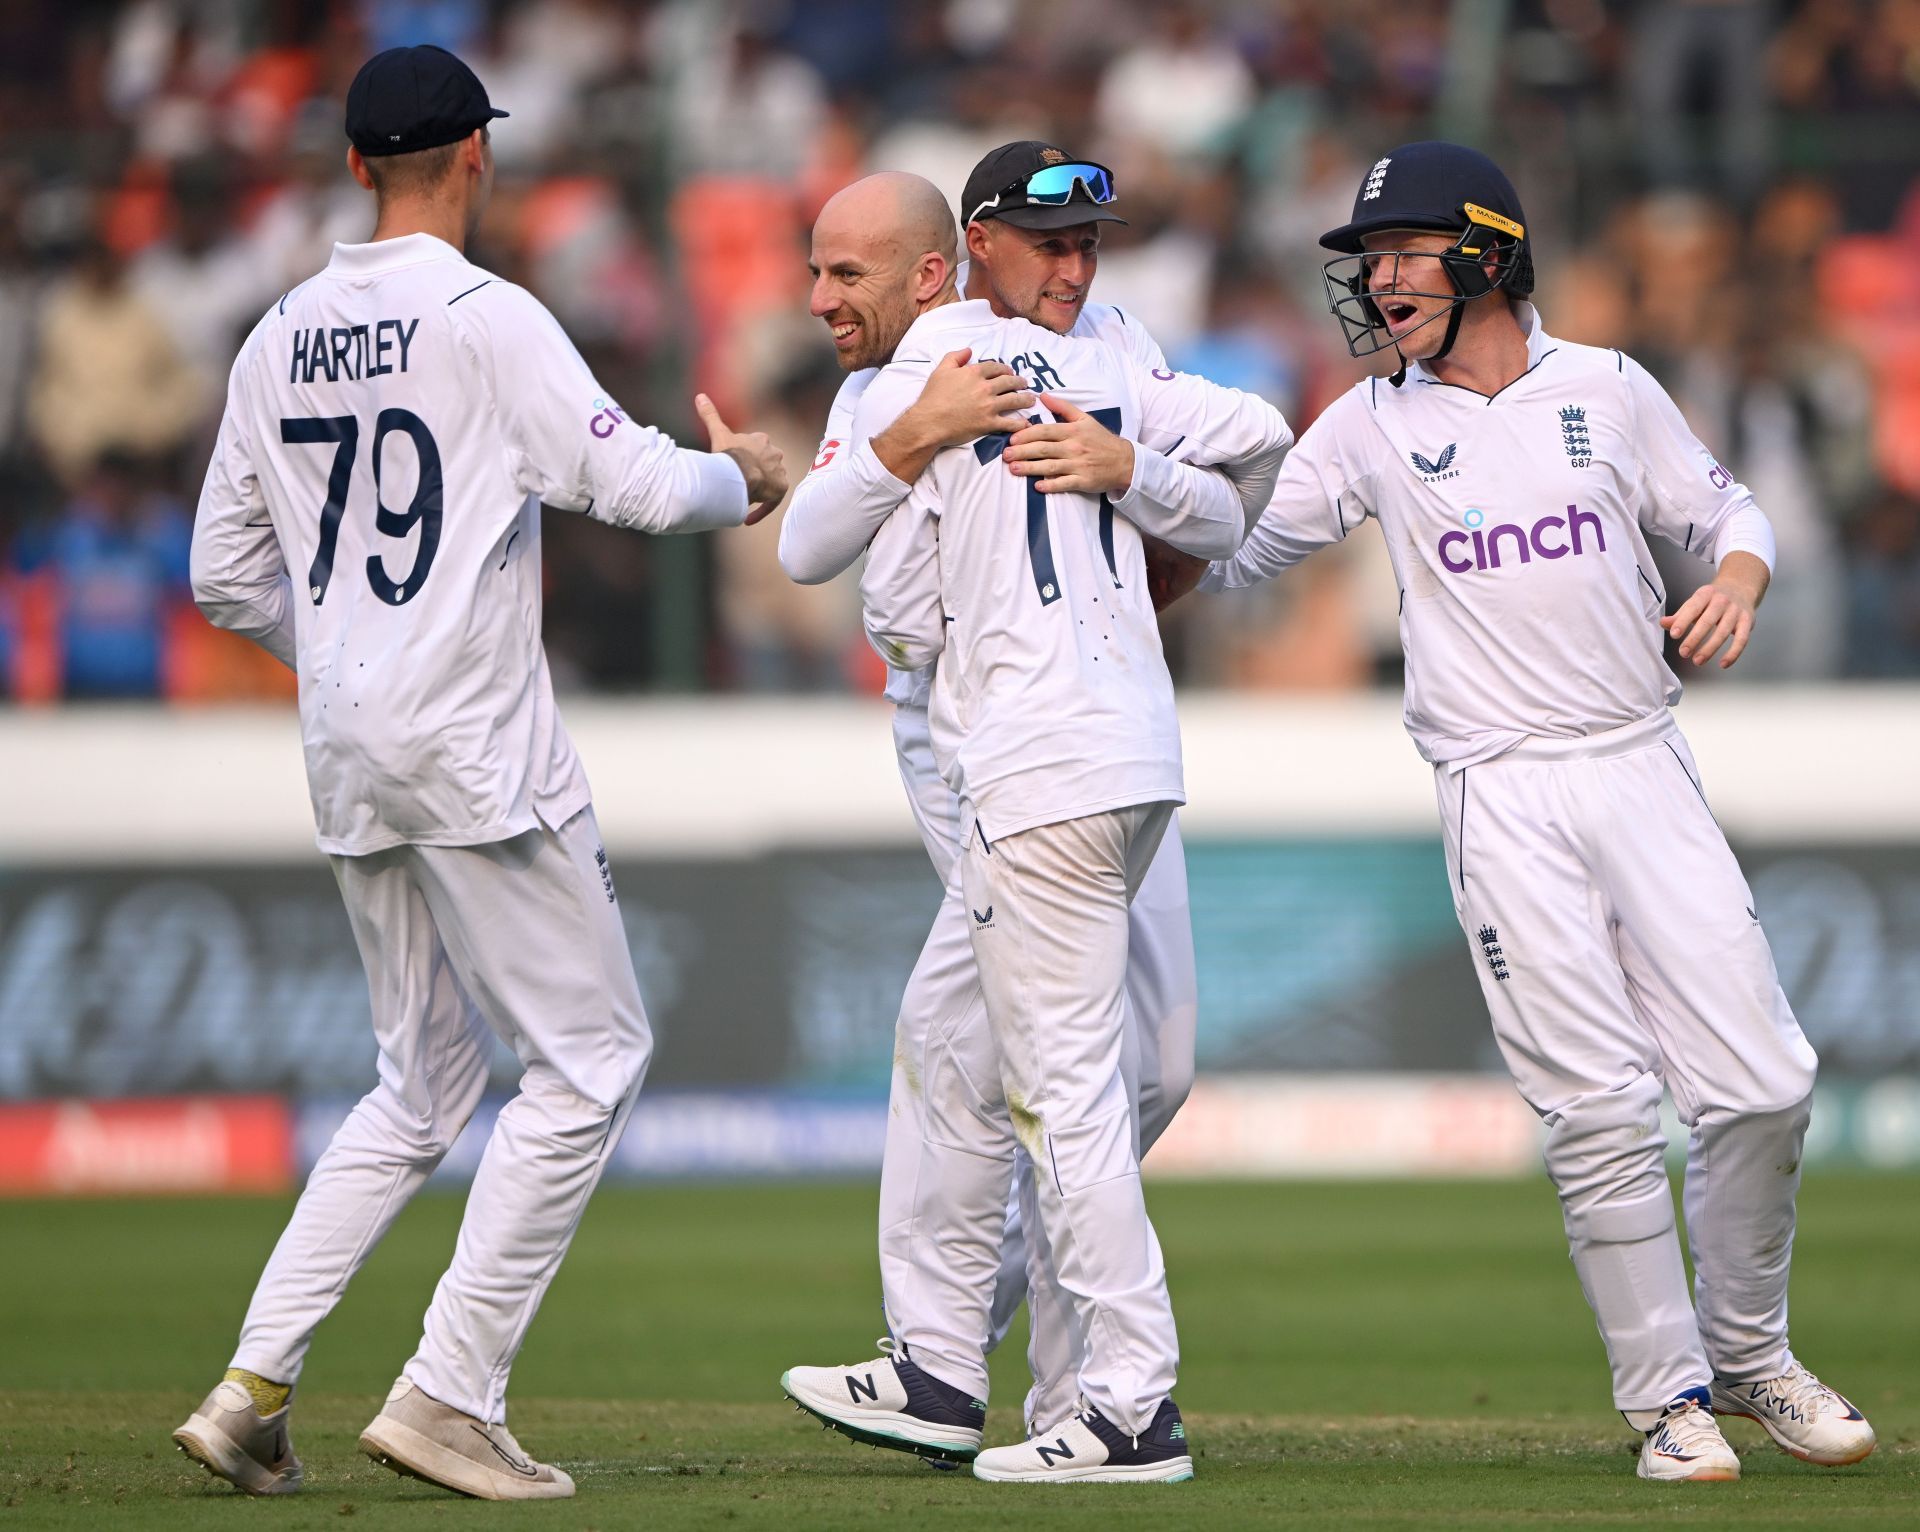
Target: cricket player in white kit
x: 1037, y: 260
x: 1515, y: 478
x: 1052, y: 720
x: 371, y: 516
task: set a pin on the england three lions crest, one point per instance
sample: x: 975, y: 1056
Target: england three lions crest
x: 1575, y: 437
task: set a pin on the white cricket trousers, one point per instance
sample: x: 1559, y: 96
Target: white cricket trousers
x: 957, y: 1261
x: 1618, y: 950
x: 522, y: 936
x: 1048, y: 913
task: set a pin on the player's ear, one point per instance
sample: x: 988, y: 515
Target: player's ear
x: 929, y: 276
x: 977, y: 241
x: 357, y: 167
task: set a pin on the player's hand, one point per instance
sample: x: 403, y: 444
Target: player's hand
x: 960, y: 403
x: 1715, y: 614
x: 1721, y: 612
x: 762, y: 464
x: 1170, y: 573
x: 1076, y: 453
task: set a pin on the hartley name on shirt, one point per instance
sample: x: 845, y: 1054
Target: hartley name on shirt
x: 349, y: 353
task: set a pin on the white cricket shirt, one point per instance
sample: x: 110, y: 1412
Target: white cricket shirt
x: 1051, y: 699
x: 372, y: 517
x: 848, y: 493
x: 1529, y: 604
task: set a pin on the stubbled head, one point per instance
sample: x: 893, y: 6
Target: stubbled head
x: 1042, y: 275
x: 458, y: 175
x: 884, y: 250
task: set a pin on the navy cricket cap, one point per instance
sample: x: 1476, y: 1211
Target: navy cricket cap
x: 1432, y: 185
x: 997, y: 189
x: 408, y: 99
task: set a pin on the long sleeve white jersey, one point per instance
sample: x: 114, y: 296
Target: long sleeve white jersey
x: 1051, y: 699
x: 848, y: 493
x: 1529, y: 604
x: 372, y: 517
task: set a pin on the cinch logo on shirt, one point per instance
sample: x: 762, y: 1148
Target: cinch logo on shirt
x: 1487, y: 545
x: 1036, y: 369
x: 607, y: 416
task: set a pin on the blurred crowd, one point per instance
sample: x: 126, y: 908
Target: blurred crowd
x: 1724, y: 188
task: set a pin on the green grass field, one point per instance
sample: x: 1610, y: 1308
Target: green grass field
x: 1354, y: 1355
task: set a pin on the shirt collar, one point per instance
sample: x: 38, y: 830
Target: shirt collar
x: 391, y: 254
x: 963, y: 313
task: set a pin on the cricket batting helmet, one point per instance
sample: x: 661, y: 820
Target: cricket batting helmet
x: 1439, y: 187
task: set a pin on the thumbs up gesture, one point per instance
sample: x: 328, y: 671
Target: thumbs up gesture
x: 762, y: 464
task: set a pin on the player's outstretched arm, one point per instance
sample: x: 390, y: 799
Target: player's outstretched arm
x: 761, y: 464
x: 238, y: 572
x: 1319, y: 496
x: 570, y: 443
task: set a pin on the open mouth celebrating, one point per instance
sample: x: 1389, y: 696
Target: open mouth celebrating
x: 1399, y: 313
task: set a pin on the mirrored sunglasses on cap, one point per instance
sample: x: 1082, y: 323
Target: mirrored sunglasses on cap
x: 1052, y: 186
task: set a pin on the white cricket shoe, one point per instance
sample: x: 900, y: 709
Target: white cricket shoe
x: 1089, y: 1447
x: 1801, y: 1414
x: 420, y: 1437
x: 1687, y: 1444
x: 891, y: 1402
x: 232, y: 1440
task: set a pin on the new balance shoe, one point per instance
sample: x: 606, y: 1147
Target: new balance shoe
x: 1687, y: 1444
x: 1801, y: 1414
x: 1088, y: 1447
x: 420, y: 1437
x: 891, y: 1402
x: 232, y: 1440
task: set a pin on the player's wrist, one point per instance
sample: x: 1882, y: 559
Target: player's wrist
x: 751, y: 473
x: 909, y: 444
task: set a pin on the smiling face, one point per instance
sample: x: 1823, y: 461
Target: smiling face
x: 863, y: 291
x: 1042, y: 275
x: 882, y: 251
x: 1397, y: 286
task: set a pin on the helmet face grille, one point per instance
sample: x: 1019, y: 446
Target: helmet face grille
x: 1364, y: 326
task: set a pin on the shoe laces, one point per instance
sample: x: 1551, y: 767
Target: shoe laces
x: 1803, y: 1392
x: 893, y: 1350
x: 1690, y: 1426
